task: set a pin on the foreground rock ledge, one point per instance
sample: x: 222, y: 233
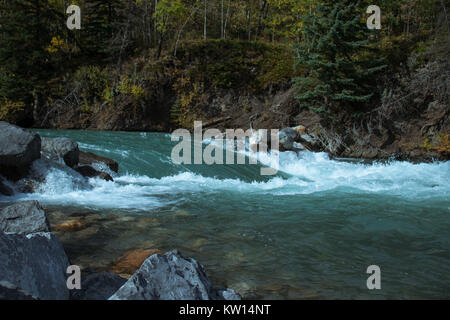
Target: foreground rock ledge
x: 171, y: 277
x: 35, y: 263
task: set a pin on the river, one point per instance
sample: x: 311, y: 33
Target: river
x: 310, y: 232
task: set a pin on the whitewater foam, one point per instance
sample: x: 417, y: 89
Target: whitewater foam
x: 305, y: 173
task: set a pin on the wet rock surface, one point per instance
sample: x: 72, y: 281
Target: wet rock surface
x: 88, y: 158
x: 90, y: 172
x: 61, y: 148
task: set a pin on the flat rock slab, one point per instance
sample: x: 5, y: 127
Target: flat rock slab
x: 35, y: 264
x: 24, y: 217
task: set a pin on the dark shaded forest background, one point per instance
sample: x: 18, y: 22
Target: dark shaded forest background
x: 161, y: 64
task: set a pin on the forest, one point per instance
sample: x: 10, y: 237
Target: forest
x: 161, y: 64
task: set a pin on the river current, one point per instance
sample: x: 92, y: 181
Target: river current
x: 309, y: 232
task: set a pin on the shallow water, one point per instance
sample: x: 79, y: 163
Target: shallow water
x: 311, y: 231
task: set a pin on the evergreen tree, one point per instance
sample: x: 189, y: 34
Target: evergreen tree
x: 25, y: 33
x: 103, y: 19
x: 336, y: 52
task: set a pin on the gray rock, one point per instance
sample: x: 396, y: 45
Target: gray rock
x: 24, y: 217
x: 34, y: 263
x: 88, y: 158
x: 18, y: 149
x: 8, y: 291
x: 98, y: 286
x: 310, y: 142
x: 287, y: 138
x: 228, y: 294
x: 167, y: 277
x: 42, y: 170
x: 61, y: 148
x: 88, y: 171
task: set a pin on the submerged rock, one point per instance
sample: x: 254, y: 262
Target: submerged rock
x: 88, y: 158
x: 169, y: 277
x: 35, y: 264
x: 132, y: 260
x: 228, y: 294
x: 61, y: 148
x: 24, y: 217
x: 18, y: 149
x: 70, y: 226
x: 98, y: 286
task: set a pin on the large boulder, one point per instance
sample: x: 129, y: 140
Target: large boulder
x: 61, y: 148
x: 98, y: 286
x: 169, y: 277
x: 287, y: 138
x: 24, y: 217
x: 36, y: 264
x: 18, y: 149
x: 88, y: 158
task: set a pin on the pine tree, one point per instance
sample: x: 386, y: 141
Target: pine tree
x: 24, y: 36
x: 336, y: 52
x: 103, y: 19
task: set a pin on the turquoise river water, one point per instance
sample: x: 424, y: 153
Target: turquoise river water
x: 310, y: 232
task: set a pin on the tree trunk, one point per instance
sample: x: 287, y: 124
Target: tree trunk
x: 221, y: 21
x: 226, y: 20
x: 261, y: 13
x: 204, y: 25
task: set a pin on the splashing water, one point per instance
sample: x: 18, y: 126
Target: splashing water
x: 308, y: 232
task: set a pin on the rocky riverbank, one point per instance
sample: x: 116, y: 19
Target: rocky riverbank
x: 420, y: 136
x: 33, y: 261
